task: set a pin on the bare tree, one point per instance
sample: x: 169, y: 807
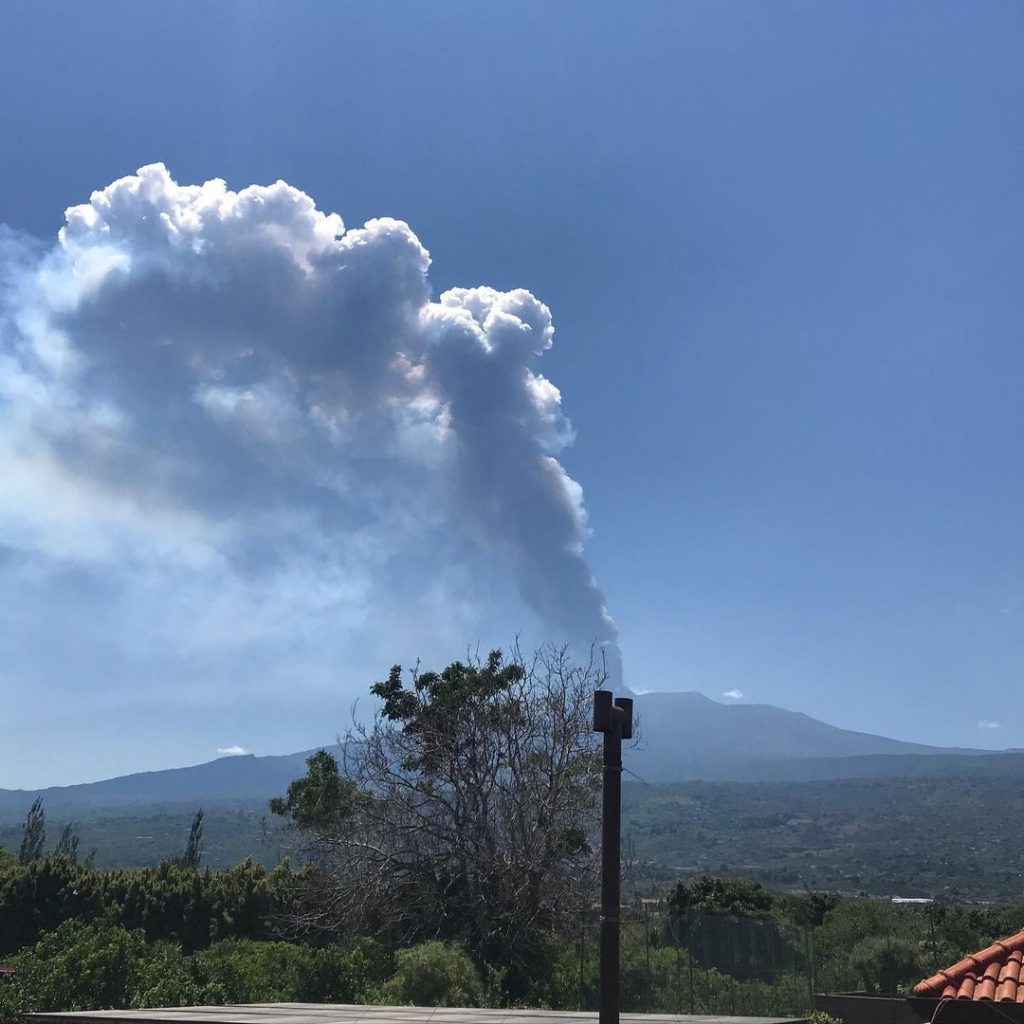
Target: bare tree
x: 470, y: 809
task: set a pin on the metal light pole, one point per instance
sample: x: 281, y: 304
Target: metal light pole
x: 614, y: 718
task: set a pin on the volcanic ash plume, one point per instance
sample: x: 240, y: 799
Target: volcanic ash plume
x: 233, y: 381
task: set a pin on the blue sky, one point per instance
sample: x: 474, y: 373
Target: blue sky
x: 781, y: 246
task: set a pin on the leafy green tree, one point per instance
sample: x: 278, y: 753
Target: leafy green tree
x: 193, y: 855
x: 321, y: 800
x: 852, y: 921
x: 811, y: 908
x: 196, y: 908
x: 711, y: 895
x: 187, y: 906
x: 33, y: 836
x: 886, y: 963
x: 464, y: 812
x: 734, y: 925
x: 433, y: 974
x: 38, y: 896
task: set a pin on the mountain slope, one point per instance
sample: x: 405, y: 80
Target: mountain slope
x: 688, y: 735
x: 227, y: 779
x: 682, y: 736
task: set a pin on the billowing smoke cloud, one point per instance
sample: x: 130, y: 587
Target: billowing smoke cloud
x: 261, y: 418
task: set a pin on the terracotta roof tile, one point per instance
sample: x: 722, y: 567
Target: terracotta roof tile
x: 993, y: 973
x: 966, y: 990
x: 1008, y: 978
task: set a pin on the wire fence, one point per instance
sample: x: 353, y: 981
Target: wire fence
x: 702, y: 963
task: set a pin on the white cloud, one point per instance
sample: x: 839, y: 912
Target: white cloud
x: 240, y: 442
x: 733, y: 695
x: 985, y: 724
x: 232, y: 751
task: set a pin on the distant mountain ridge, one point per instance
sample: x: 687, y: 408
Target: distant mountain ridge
x: 240, y: 778
x: 690, y: 736
x: 683, y: 736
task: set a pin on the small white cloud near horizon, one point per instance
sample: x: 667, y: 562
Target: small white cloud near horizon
x: 733, y: 695
x: 990, y: 725
x: 232, y: 751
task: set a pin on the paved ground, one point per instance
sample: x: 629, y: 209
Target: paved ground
x: 333, y: 1013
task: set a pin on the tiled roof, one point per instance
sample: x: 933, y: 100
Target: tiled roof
x: 993, y: 973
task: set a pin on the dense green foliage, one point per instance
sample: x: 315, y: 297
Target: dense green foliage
x: 94, y: 966
x: 193, y: 855
x: 881, y: 837
x: 884, y: 837
x: 884, y: 963
x: 462, y: 814
x: 321, y: 800
x: 68, y: 843
x: 245, y: 971
x: 707, y: 894
x: 79, y: 937
x: 131, y: 837
x: 434, y: 974
x: 185, y: 905
x: 33, y: 835
x: 450, y: 862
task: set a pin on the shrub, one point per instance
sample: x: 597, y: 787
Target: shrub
x: 821, y: 1017
x: 97, y: 966
x: 243, y: 971
x: 885, y: 963
x: 433, y: 974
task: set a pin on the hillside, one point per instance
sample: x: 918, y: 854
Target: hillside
x: 225, y: 780
x: 683, y: 736
x: 756, y: 790
x: 690, y: 736
x: 881, y: 836
x: 885, y: 837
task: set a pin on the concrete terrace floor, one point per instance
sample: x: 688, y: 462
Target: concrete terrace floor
x: 337, y: 1013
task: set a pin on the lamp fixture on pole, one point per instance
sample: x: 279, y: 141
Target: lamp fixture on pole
x: 614, y: 718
